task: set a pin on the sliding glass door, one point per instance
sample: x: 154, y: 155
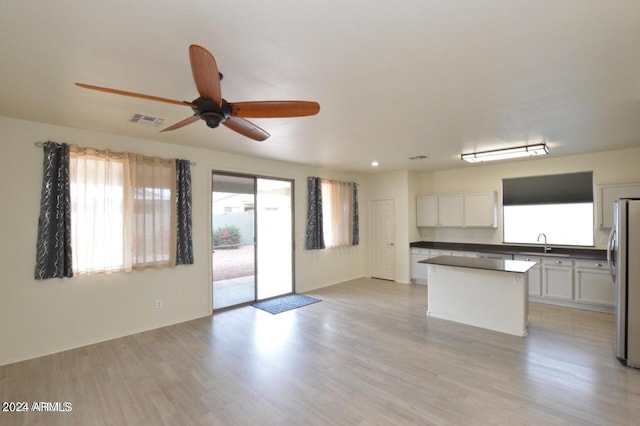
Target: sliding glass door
x: 233, y: 240
x: 275, y: 242
x: 252, y: 238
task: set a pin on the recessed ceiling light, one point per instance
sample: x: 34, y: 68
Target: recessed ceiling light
x: 375, y: 163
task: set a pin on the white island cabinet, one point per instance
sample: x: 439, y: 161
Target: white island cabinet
x: 487, y: 293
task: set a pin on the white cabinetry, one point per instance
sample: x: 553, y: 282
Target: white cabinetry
x: 535, y: 274
x: 495, y: 256
x: 457, y: 210
x: 427, y: 210
x: 436, y: 253
x: 578, y: 283
x: 419, y: 270
x: 450, y: 210
x: 608, y: 194
x: 464, y: 253
x: 557, y: 278
x: 593, y: 283
x: 481, y: 210
x: 439, y: 210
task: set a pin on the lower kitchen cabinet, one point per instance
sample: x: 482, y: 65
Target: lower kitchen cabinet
x: 419, y: 270
x: 557, y: 278
x: 534, y: 274
x: 577, y: 283
x: 593, y: 283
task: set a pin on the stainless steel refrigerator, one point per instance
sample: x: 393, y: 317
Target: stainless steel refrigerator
x: 624, y: 264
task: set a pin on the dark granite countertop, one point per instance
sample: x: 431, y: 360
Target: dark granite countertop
x: 537, y: 250
x: 500, y: 265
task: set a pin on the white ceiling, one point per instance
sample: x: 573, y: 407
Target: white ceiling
x: 394, y: 80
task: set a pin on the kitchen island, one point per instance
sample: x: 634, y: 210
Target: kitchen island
x: 487, y: 293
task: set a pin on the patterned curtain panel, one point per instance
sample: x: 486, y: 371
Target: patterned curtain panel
x: 53, y: 251
x: 315, y: 238
x: 184, y: 255
x: 355, y: 219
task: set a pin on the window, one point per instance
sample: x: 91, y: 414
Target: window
x: 123, y: 213
x: 332, y: 214
x: 337, y: 213
x: 559, y: 206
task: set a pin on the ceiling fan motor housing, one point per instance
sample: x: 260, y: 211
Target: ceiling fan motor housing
x: 212, y: 113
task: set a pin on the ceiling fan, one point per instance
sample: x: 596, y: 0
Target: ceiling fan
x: 213, y: 109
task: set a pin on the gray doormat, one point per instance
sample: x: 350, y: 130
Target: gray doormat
x: 285, y: 303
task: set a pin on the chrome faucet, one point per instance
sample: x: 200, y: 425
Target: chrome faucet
x: 546, y: 248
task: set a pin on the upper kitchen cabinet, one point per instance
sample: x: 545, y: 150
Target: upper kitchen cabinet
x: 609, y: 194
x: 457, y: 210
x: 481, y: 210
x: 439, y: 210
x: 450, y: 210
x: 427, y: 210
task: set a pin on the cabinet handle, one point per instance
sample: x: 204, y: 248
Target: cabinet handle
x: 527, y: 259
x: 599, y: 265
x: 559, y: 262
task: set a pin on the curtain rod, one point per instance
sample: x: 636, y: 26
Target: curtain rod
x: 41, y: 144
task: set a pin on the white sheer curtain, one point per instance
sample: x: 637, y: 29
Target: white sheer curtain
x: 122, y: 211
x: 337, y: 205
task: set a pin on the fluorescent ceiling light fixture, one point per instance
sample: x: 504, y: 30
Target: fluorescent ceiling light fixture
x: 507, y: 153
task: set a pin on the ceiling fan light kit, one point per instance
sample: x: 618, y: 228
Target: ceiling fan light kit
x: 213, y: 109
x: 507, y: 153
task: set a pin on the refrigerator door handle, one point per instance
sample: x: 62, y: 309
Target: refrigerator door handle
x: 610, y: 259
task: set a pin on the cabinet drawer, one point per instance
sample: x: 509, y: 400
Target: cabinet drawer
x: 557, y: 261
x: 495, y: 256
x: 592, y: 264
x: 538, y: 260
x: 435, y: 253
x: 420, y: 252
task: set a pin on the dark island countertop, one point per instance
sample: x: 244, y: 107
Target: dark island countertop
x: 500, y: 265
x: 537, y: 250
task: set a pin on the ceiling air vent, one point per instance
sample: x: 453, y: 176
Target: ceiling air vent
x: 146, y: 120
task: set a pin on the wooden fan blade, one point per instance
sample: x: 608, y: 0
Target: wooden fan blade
x: 182, y: 123
x: 205, y: 73
x: 246, y: 128
x: 134, y: 95
x: 271, y: 109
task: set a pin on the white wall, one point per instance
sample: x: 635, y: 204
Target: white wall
x: 395, y: 186
x: 619, y: 166
x: 41, y: 317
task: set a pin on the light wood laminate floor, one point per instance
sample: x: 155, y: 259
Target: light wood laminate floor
x: 367, y: 354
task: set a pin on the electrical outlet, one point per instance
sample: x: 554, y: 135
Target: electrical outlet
x: 158, y: 303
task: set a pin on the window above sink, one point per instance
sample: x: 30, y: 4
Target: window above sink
x: 558, y: 206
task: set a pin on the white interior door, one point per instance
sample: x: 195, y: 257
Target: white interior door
x: 382, y: 248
